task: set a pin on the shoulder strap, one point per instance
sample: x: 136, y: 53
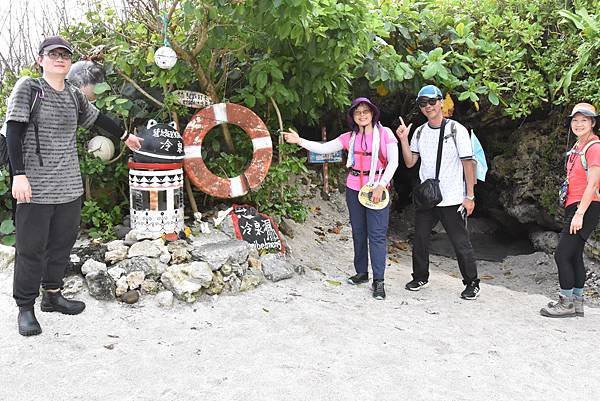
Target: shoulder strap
x: 418, y: 133
x: 438, y: 162
x: 74, y: 95
x: 583, y: 152
x: 37, y: 95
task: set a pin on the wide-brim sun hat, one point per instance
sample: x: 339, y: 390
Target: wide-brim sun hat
x: 355, y: 103
x: 430, y: 91
x: 586, y: 109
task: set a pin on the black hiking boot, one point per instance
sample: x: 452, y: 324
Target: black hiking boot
x: 28, y: 324
x: 55, y: 302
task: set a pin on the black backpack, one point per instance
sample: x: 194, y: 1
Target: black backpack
x: 37, y: 95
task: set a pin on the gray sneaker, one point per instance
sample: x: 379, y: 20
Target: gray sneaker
x: 563, y: 308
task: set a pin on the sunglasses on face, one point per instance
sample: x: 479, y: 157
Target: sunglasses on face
x: 56, y: 55
x: 425, y: 102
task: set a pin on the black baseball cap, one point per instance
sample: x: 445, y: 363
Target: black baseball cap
x: 54, y: 42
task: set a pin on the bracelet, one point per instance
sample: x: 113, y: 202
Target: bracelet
x: 471, y: 198
x: 125, y: 136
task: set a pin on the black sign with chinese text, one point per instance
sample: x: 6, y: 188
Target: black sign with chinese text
x: 256, y: 228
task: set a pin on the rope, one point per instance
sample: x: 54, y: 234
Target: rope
x: 165, y: 22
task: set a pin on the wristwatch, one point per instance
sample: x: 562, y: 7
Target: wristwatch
x: 471, y: 198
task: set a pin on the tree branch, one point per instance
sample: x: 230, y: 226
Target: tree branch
x: 139, y: 88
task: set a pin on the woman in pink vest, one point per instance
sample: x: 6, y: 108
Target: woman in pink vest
x: 581, y: 214
x: 372, y: 159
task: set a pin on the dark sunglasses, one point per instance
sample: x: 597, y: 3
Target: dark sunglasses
x: 425, y: 102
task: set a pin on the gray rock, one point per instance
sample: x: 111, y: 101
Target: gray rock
x: 234, y: 284
x: 101, y: 285
x: 254, y: 262
x: 217, y: 285
x: 545, y: 241
x: 217, y: 254
x: 134, y: 236
x: 116, y: 251
x: 187, y: 281
x: 151, y: 249
x: 135, y: 279
x: 121, y: 286
x: 116, y: 272
x: 226, y: 269
x: 84, y: 250
x: 91, y: 266
x: 214, y: 237
x: 286, y: 228
x: 116, y: 244
x: 150, y: 286
x: 276, y: 268
x: 165, y: 299
x: 130, y: 297
x: 73, y: 285
x: 151, y: 267
x: 7, y: 256
x: 121, y: 230
x: 165, y: 257
x: 251, y: 279
x: 179, y: 252
x: 240, y: 270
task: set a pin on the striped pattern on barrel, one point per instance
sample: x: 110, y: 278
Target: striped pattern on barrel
x: 156, y: 200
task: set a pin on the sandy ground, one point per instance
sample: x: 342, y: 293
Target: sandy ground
x: 313, y: 337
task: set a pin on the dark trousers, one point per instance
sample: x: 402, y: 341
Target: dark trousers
x: 45, y: 236
x: 369, y: 234
x: 456, y: 228
x: 569, y: 252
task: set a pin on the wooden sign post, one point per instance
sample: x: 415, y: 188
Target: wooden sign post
x: 325, y: 159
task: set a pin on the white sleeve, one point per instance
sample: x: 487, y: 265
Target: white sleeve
x: 392, y: 159
x: 322, y: 148
x: 414, y: 141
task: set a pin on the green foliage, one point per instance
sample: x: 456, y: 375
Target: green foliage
x: 101, y: 220
x: 279, y: 194
x: 507, y: 56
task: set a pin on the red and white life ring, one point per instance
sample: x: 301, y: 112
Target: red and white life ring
x: 195, y: 168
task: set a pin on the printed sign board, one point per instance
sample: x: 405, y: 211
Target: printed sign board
x: 256, y: 228
x: 325, y: 158
x: 196, y: 100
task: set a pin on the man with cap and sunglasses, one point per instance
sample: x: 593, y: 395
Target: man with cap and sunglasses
x: 582, y: 211
x: 456, y: 182
x: 46, y: 180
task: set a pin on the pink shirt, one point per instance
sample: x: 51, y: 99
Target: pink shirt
x: 576, y: 173
x: 362, y: 162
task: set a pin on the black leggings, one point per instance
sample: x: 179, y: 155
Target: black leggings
x: 569, y: 252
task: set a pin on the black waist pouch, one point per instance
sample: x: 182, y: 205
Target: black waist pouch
x: 427, y: 194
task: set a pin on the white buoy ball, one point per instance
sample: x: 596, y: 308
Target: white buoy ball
x: 165, y: 57
x: 101, y: 147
